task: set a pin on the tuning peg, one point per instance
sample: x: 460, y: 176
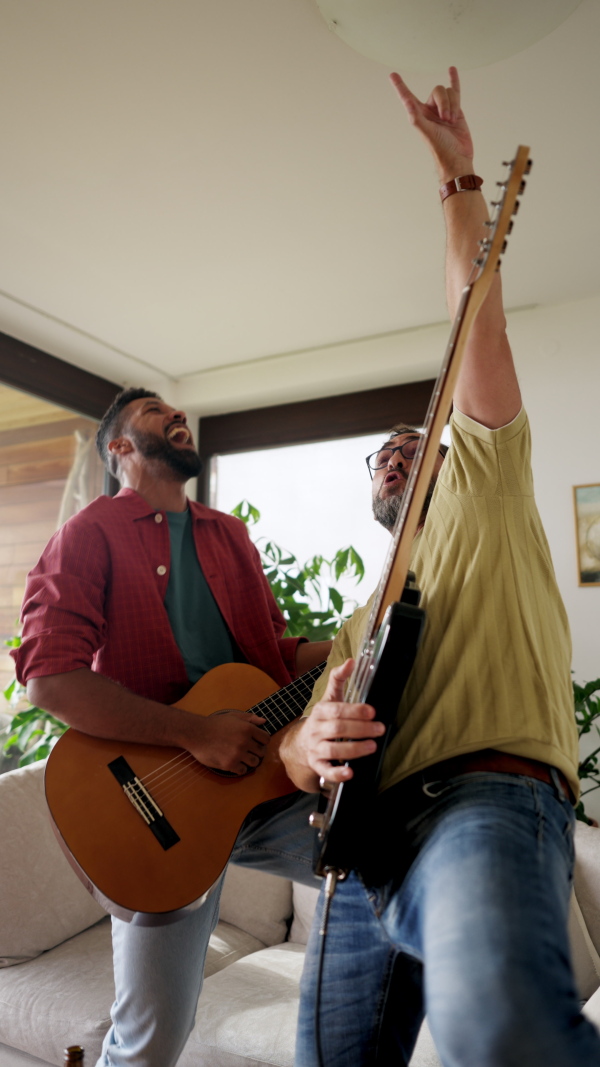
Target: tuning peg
x: 509, y: 228
x: 516, y: 207
x: 529, y: 166
x: 501, y: 184
x: 503, y: 249
x: 478, y: 262
x: 484, y: 244
x: 522, y: 188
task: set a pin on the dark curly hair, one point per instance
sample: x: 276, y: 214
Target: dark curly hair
x: 402, y: 427
x: 113, y: 422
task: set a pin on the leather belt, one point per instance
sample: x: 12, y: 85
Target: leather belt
x: 490, y: 759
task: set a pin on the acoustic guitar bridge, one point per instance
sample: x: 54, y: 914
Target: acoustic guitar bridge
x: 144, y: 803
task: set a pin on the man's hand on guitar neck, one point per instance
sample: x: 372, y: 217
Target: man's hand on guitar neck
x: 487, y: 389
x: 318, y: 745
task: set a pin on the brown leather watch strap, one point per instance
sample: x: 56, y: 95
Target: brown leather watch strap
x: 460, y: 185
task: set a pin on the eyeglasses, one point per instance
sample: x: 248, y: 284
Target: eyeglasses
x: 377, y: 460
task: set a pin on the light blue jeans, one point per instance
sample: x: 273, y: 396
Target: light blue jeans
x: 159, y: 970
x: 471, y: 929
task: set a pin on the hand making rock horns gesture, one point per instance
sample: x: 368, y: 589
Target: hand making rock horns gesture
x: 442, y: 124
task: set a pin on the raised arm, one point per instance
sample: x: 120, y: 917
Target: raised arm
x: 487, y: 389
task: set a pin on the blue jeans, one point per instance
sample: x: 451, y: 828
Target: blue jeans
x: 159, y: 970
x: 470, y: 927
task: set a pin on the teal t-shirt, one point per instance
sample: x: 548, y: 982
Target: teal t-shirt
x: 197, y: 624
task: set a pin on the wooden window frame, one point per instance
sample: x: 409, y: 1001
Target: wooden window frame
x: 325, y: 419
x: 33, y: 371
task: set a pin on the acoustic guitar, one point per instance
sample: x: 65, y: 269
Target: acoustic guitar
x: 148, y: 829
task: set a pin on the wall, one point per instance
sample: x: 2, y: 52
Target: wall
x: 559, y: 368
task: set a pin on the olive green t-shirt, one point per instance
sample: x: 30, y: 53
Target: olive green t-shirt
x: 493, y: 669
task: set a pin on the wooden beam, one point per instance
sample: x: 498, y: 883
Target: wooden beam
x: 347, y: 415
x: 33, y: 371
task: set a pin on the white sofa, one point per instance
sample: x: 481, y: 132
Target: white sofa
x: 55, y: 956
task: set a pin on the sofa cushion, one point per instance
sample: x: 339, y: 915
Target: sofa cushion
x: 425, y: 1054
x: 586, y: 962
x: 61, y: 998
x: 257, y: 902
x: 304, y: 898
x: 587, y: 878
x: 9, y: 1057
x: 73, y: 986
x: 247, y: 1014
x: 227, y: 944
x: 43, y: 901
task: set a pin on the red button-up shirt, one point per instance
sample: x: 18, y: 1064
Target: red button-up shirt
x: 95, y: 598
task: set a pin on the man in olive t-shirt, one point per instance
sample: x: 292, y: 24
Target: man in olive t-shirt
x: 464, y: 915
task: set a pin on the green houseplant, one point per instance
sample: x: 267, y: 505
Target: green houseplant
x: 31, y: 731
x: 587, y: 712
x: 306, y: 595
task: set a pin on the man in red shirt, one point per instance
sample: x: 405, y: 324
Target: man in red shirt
x: 133, y: 599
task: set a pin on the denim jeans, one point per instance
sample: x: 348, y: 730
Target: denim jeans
x: 159, y: 970
x: 470, y: 927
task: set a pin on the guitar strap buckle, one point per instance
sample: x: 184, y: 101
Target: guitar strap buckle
x: 434, y: 788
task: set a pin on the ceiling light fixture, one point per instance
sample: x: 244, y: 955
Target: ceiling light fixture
x: 426, y: 35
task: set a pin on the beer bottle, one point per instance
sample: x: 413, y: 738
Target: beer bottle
x: 73, y: 1054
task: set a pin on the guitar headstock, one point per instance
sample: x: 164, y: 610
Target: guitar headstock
x: 500, y: 225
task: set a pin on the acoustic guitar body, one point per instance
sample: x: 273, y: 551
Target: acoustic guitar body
x: 106, y: 838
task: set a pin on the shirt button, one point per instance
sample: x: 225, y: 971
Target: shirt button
x: 158, y: 517
x: 161, y: 570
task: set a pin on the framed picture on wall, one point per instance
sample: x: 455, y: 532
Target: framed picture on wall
x: 587, y: 525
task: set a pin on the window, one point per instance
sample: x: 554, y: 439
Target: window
x: 313, y: 498
x: 49, y: 469
x: 302, y: 465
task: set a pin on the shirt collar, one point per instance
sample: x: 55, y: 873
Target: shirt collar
x: 138, y: 508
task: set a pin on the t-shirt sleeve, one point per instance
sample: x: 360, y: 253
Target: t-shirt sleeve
x: 63, y: 607
x: 345, y: 646
x: 488, y: 463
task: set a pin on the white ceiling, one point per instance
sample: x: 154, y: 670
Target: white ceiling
x: 190, y: 184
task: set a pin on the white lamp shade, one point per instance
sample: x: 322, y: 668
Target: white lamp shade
x: 427, y: 35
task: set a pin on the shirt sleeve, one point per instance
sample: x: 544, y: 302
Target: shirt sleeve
x: 345, y: 646
x: 488, y: 463
x: 63, y: 607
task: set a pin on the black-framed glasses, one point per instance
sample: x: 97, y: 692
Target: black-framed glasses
x: 377, y: 460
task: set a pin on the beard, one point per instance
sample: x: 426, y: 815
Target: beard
x: 185, y: 463
x: 386, y: 510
